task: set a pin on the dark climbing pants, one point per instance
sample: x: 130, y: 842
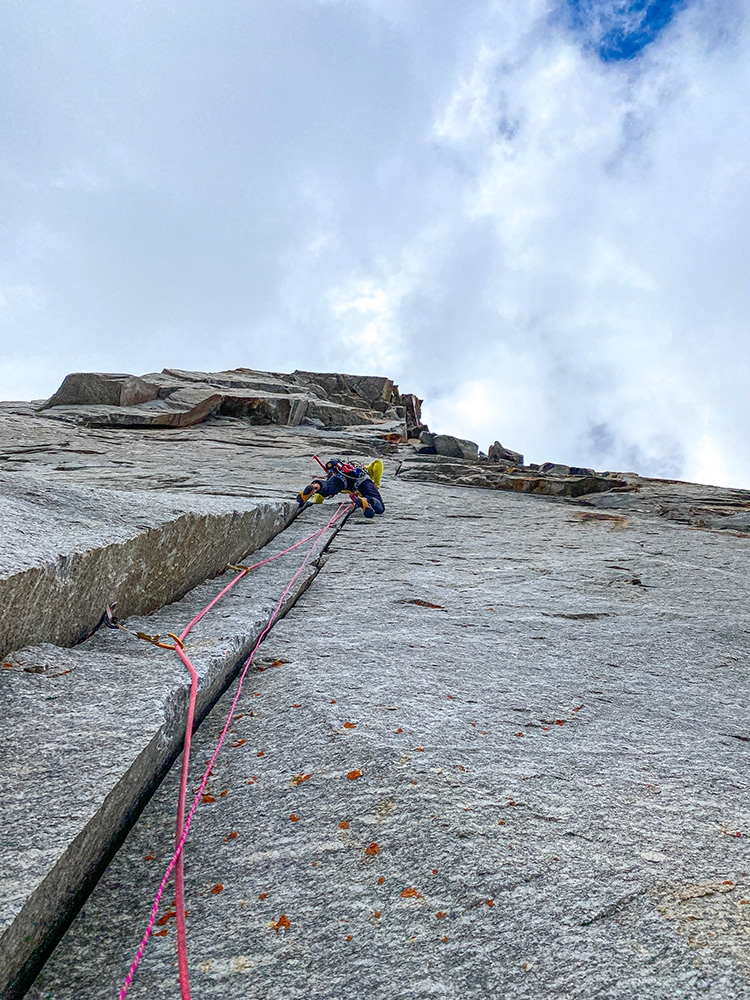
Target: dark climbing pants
x: 367, y: 489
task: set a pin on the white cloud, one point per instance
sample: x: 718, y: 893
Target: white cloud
x: 365, y: 326
x: 551, y: 249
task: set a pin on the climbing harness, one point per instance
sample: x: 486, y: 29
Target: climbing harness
x: 344, y: 470
x: 182, y: 822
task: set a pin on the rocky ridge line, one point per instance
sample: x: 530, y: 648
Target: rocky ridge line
x: 176, y: 398
x: 244, y: 410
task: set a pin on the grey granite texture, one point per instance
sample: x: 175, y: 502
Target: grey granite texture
x: 183, y: 408
x: 175, y: 398
x: 453, y: 470
x: 497, y: 453
x: 88, y: 732
x: 68, y: 551
x: 449, y: 446
x: 703, y: 506
x: 548, y: 707
x: 224, y: 456
x: 102, y: 388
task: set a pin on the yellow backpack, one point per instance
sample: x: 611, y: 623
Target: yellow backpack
x: 375, y: 471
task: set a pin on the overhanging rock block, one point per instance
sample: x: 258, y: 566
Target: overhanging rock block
x: 177, y: 398
x: 268, y: 408
x: 182, y: 408
x: 498, y: 453
x: 99, y: 388
x: 371, y: 389
x: 455, y: 447
x: 69, y: 551
x: 237, y: 378
x: 448, y: 446
x: 89, y: 732
x: 337, y: 415
x: 555, y: 469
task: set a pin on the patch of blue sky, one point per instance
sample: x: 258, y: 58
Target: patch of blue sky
x: 621, y: 29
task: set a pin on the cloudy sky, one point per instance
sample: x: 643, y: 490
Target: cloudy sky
x: 536, y: 215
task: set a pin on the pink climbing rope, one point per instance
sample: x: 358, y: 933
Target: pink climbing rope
x: 182, y: 829
x: 179, y: 827
x: 179, y: 879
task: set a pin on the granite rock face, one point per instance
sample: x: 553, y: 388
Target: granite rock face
x: 103, y: 505
x: 504, y: 756
x: 497, y: 453
x: 90, y: 731
x: 413, y: 409
x: 480, y: 625
x: 486, y: 474
x: 83, y: 550
x: 176, y: 398
x: 447, y: 445
x: 440, y: 458
x: 92, y: 388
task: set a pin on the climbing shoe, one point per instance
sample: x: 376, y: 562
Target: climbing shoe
x: 363, y: 505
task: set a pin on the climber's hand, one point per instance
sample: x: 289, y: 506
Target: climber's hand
x: 308, y: 491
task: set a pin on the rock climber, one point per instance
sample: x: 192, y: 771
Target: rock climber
x: 361, y: 484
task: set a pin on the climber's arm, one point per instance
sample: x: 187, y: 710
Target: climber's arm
x: 330, y: 487
x: 325, y: 487
x: 304, y: 495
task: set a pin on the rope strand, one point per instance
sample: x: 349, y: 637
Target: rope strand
x: 182, y: 829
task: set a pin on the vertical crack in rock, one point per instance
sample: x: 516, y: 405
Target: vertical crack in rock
x: 90, y: 731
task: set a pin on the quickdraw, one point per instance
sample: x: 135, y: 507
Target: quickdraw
x: 108, y: 620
